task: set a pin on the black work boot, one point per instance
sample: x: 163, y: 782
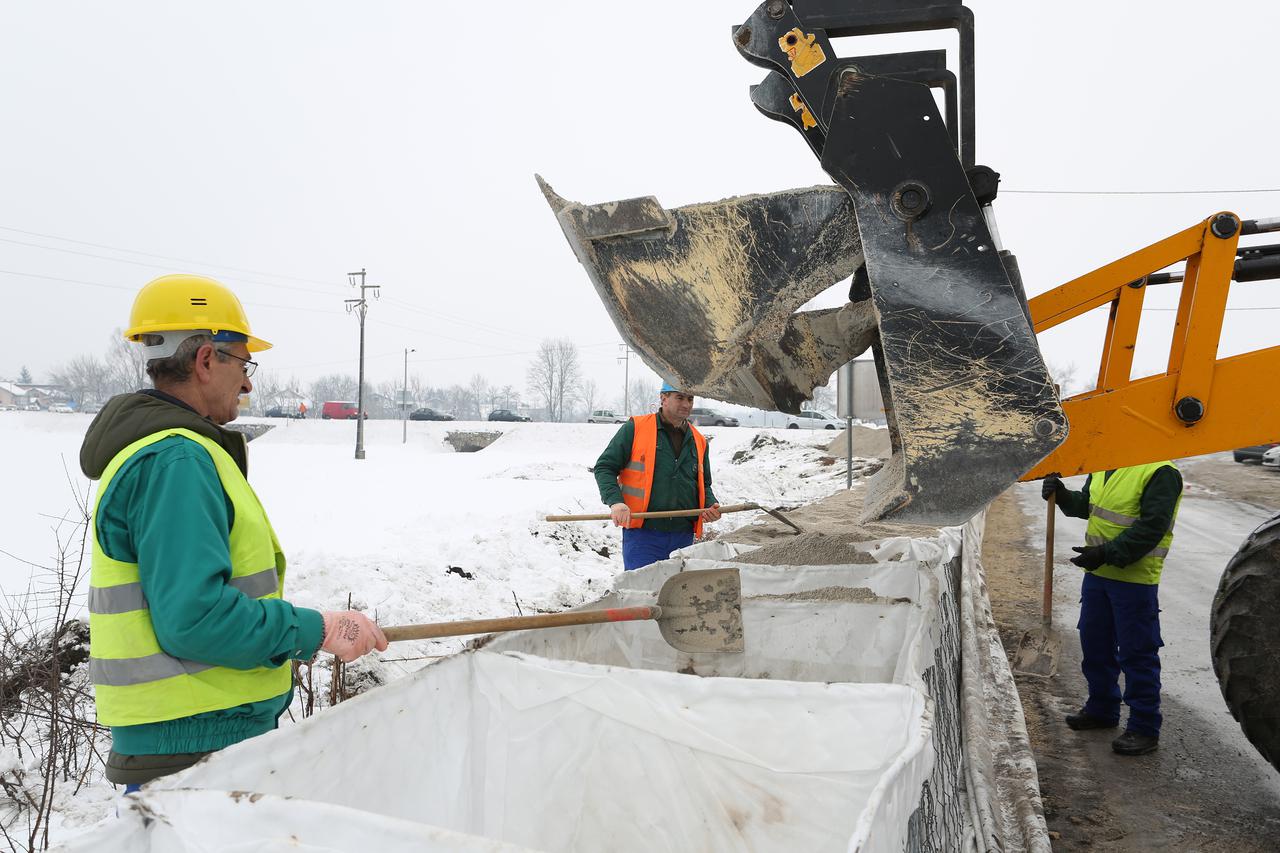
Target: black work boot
x: 1081, y: 721
x: 1133, y: 743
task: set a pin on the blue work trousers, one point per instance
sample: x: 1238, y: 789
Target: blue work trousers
x: 640, y: 546
x: 1120, y: 632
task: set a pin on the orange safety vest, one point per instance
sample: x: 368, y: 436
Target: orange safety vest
x: 636, y: 479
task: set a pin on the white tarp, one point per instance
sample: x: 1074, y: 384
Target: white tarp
x: 818, y: 737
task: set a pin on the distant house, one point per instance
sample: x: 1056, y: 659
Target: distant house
x: 287, y: 399
x: 12, y: 394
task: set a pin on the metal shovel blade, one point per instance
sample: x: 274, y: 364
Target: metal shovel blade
x: 1037, y: 653
x: 702, y: 611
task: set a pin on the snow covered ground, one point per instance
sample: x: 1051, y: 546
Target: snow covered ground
x: 415, y: 532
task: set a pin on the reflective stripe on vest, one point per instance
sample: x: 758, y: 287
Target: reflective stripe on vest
x: 135, y: 680
x: 1115, y: 505
x: 636, y: 477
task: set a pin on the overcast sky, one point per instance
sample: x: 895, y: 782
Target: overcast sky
x: 278, y: 146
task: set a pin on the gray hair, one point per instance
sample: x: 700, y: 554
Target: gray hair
x: 176, y: 369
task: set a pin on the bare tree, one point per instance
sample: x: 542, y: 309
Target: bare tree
x: 588, y: 391
x: 85, y: 379
x: 644, y: 396
x: 824, y: 397
x: 508, y: 397
x: 478, y: 387
x: 335, y: 386
x: 266, y: 390
x: 47, y: 726
x: 128, y: 364
x: 554, y: 375
x: 1067, y: 378
x: 458, y: 401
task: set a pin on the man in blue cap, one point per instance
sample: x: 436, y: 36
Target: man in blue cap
x: 657, y: 462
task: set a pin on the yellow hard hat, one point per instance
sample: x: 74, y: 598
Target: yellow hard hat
x: 193, y: 303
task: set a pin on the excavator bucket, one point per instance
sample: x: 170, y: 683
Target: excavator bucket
x: 708, y: 294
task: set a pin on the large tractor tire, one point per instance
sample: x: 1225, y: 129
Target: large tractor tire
x: 1244, y: 630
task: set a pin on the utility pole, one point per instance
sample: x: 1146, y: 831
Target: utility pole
x: 625, y: 358
x: 404, y: 399
x: 360, y: 307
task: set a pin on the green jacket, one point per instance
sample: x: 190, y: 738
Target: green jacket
x: 166, y: 511
x: 1159, y: 503
x: 675, y: 480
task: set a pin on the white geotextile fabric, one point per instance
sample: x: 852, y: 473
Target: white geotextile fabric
x: 818, y: 737
x: 554, y: 755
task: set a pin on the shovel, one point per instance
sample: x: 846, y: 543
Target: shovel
x: 697, y: 612
x: 681, y: 513
x: 1038, y: 650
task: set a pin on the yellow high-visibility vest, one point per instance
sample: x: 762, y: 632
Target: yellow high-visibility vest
x: 1115, y: 503
x: 135, y: 680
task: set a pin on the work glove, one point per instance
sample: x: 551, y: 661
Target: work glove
x: 1089, y: 557
x: 1051, y: 486
x: 350, y: 634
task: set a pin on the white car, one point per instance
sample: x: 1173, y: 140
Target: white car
x: 813, y: 419
x: 61, y: 408
x: 604, y: 416
x: 1271, y: 459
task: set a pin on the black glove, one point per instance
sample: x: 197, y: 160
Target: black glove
x: 1051, y: 485
x: 1090, y: 557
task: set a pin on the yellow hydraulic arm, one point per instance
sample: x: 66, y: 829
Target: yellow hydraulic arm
x: 1200, y: 404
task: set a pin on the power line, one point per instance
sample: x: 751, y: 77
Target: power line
x: 166, y: 267
x: 162, y: 257
x: 408, y: 306
x: 133, y: 288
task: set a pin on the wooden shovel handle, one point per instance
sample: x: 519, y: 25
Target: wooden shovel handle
x: 669, y: 513
x: 1046, y: 604
x: 516, y: 623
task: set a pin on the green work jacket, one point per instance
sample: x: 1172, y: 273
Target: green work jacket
x: 675, y: 478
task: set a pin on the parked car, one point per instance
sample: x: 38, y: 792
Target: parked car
x: 506, y: 415
x: 278, y: 412
x: 1253, y: 453
x: 340, y: 410
x: 604, y: 416
x: 1271, y: 459
x: 710, y: 417
x: 61, y: 408
x: 813, y: 419
x: 91, y: 409
x: 427, y: 414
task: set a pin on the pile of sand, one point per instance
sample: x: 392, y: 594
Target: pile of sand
x: 868, y: 443
x: 810, y: 549
x: 835, y: 515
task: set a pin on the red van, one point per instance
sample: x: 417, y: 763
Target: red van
x: 339, y: 410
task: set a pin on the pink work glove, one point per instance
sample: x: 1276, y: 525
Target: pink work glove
x: 350, y: 634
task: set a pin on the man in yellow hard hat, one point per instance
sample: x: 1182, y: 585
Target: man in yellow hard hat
x: 190, y: 636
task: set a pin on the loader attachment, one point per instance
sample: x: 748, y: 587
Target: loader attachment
x: 707, y: 294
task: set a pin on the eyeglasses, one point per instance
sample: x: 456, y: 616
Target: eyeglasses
x: 249, y: 366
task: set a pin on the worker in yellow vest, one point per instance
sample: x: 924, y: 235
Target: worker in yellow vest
x: 190, y: 636
x: 1131, y: 512
x: 657, y: 462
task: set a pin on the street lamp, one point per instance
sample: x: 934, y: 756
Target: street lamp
x: 404, y: 399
